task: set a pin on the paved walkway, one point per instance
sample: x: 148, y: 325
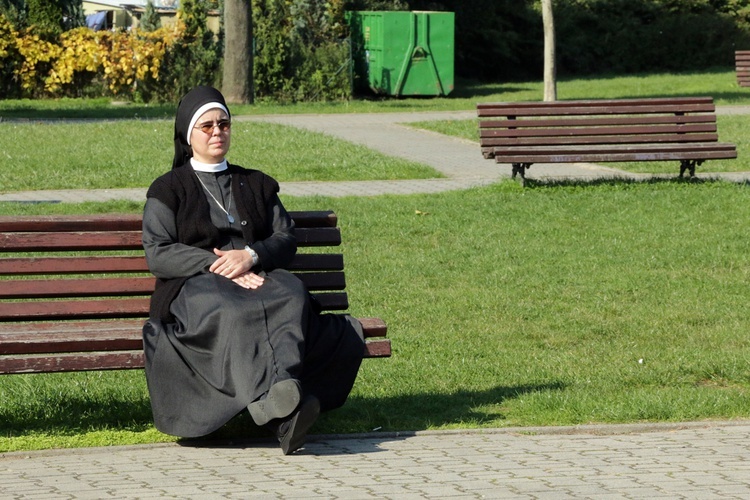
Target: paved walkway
x: 671, y: 461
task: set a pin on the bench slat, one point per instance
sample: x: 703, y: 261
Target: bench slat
x: 90, y: 346
x: 623, y: 131
x: 122, y: 360
x: 610, y: 139
x: 607, y: 102
x: 612, y: 157
x: 100, y: 287
x: 80, y: 336
x: 63, y: 241
x: 72, y: 362
x: 131, y: 264
x: 128, y: 222
x: 609, y: 120
x: 72, y: 265
x: 561, y: 108
x: 35, y: 289
x: 619, y: 148
x: 127, y: 240
x: 115, y: 308
x: 80, y: 309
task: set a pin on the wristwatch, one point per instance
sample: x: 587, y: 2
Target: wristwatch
x: 253, y: 254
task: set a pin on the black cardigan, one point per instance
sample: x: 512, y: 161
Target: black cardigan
x: 180, y: 190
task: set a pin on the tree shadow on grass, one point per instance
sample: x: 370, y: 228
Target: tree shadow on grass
x: 386, y: 417
x: 617, y: 181
x: 127, y: 112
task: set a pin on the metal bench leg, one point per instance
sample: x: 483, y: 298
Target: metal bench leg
x: 689, y: 165
x: 520, y: 168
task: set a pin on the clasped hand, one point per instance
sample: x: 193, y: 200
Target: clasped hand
x: 235, y: 265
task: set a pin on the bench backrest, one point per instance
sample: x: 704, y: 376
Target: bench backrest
x: 73, y: 268
x: 590, y: 122
x: 742, y: 67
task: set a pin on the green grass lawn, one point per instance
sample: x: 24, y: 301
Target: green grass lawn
x: 555, y: 304
x: 133, y: 144
x: 720, y: 83
x: 132, y: 153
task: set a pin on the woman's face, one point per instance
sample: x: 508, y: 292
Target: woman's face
x: 210, y: 136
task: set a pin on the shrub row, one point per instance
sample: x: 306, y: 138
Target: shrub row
x: 302, y: 51
x: 501, y: 40
x: 83, y: 61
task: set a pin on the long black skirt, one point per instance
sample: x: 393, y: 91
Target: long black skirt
x: 229, y: 345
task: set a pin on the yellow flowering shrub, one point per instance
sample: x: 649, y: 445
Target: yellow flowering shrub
x: 119, y: 59
x: 35, y: 52
x: 80, y: 52
x: 7, y: 39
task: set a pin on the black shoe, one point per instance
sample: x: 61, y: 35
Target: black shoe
x: 292, y: 432
x: 280, y: 402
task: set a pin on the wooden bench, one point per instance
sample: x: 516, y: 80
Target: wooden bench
x: 742, y: 66
x: 74, y: 290
x: 615, y: 130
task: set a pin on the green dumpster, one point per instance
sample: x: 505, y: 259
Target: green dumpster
x: 403, y: 53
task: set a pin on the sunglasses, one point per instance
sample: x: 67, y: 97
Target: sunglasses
x: 208, y: 127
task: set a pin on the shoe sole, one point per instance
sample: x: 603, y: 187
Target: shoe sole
x: 295, y: 437
x: 281, y: 401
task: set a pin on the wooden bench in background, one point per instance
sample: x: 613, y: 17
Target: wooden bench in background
x: 614, y: 130
x: 742, y: 66
x: 74, y: 290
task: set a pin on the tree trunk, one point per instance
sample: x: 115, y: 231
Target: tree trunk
x: 237, y: 78
x: 550, y: 83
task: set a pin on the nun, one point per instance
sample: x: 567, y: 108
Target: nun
x: 229, y: 328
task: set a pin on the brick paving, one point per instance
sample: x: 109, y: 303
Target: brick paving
x: 708, y: 460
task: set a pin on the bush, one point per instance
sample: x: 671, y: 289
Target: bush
x: 193, y: 59
x: 160, y: 65
x: 301, y: 52
x: 626, y: 36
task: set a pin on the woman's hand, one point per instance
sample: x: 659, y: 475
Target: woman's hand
x: 235, y: 265
x: 249, y: 280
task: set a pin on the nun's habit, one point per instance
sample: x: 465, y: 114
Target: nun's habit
x: 212, y: 347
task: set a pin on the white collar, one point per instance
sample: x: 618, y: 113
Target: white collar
x: 208, y: 167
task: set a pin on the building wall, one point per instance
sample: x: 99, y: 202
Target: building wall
x: 125, y: 19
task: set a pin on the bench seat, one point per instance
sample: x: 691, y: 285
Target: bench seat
x: 612, y: 130
x: 74, y: 290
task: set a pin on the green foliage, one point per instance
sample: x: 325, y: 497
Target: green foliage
x: 10, y: 59
x: 194, y: 59
x: 73, y: 14
x: 300, y: 53
x: 46, y: 16
x: 502, y: 39
x: 150, y: 21
x: 495, y: 39
x: 15, y: 12
x: 624, y: 36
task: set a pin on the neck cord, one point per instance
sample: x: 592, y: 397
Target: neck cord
x: 225, y: 210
